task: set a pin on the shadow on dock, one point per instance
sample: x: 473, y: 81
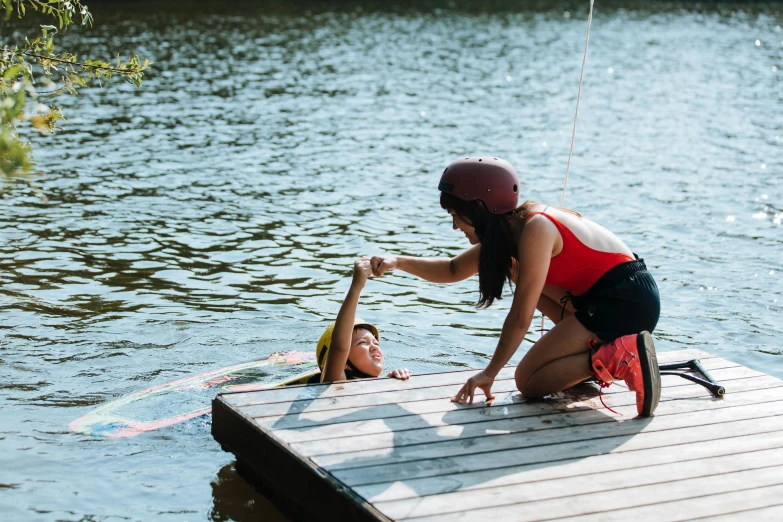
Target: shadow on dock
x: 420, y: 456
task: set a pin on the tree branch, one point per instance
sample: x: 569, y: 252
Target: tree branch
x: 82, y: 65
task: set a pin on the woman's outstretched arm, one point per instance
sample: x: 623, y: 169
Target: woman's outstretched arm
x: 433, y: 269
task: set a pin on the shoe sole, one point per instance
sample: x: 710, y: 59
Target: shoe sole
x: 650, y: 373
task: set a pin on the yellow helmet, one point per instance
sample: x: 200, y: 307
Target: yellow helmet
x: 326, y: 340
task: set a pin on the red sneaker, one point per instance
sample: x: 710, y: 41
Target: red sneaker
x: 632, y: 359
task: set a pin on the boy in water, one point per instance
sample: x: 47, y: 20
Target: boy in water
x: 349, y: 347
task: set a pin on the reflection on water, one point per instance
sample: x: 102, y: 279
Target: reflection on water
x: 234, y: 499
x: 211, y: 217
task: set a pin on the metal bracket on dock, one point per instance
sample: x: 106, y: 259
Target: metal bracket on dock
x: 693, y: 366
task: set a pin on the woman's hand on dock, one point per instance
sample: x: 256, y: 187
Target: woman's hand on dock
x: 402, y: 374
x: 482, y: 381
x: 382, y: 264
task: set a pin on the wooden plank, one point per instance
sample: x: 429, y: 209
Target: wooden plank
x: 366, y: 471
x: 284, y: 474
x: 504, y: 434
x: 349, y: 388
x: 773, y: 513
x: 303, y: 422
x: 397, y: 397
x: 561, y: 488
x: 423, y: 457
x: 353, y: 388
x: 363, y: 400
x: 580, y: 466
x: 505, y: 407
x: 711, y: 502
x: 437, y: 428
x: 657, y: 498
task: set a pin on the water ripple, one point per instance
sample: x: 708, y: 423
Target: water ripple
x: 212, y: 217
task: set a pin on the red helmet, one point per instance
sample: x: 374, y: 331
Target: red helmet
x: 492, y: 180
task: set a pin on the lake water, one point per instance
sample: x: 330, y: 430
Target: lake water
x: 211, y: 217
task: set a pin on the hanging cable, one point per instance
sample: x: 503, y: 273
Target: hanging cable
x: 576, y: 114
x: 578, y: 96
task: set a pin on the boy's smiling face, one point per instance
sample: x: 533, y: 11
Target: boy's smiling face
x: 366, y: 353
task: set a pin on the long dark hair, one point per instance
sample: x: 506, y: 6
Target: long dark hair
x: 498, y: 249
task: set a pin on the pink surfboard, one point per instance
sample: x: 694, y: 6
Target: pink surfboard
x: 187, y: 398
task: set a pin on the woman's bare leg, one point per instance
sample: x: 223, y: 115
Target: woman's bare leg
x: 560, y: 359
x: 552, y: 309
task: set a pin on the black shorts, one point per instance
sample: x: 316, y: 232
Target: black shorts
x: 624, y: 301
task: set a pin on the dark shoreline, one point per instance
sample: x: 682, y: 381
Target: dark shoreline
x: 425, y: 6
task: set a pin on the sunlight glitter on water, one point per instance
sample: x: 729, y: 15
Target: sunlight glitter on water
x: 233, y: 191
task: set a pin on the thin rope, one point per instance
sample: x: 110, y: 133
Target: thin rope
x: 576, y: 114
x: 578, y: 97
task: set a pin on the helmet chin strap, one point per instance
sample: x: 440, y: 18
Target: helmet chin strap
x: 358, y: 371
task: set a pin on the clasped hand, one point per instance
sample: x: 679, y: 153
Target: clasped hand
x: 382, y: 264
x: 361, y: 271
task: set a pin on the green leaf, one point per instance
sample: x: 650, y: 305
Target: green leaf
x: 12, y: 72
x: 18, y: 94
x: 46, y: 28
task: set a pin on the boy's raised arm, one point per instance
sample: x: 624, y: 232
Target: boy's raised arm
x: 340, y: 349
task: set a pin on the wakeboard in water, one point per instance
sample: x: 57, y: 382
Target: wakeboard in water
x: 168, y: 404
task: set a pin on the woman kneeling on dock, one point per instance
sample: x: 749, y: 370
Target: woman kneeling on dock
x: 599, y: 294
x: 350, y: 348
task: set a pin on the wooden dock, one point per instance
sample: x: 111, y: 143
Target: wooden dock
x: 384, y: 449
